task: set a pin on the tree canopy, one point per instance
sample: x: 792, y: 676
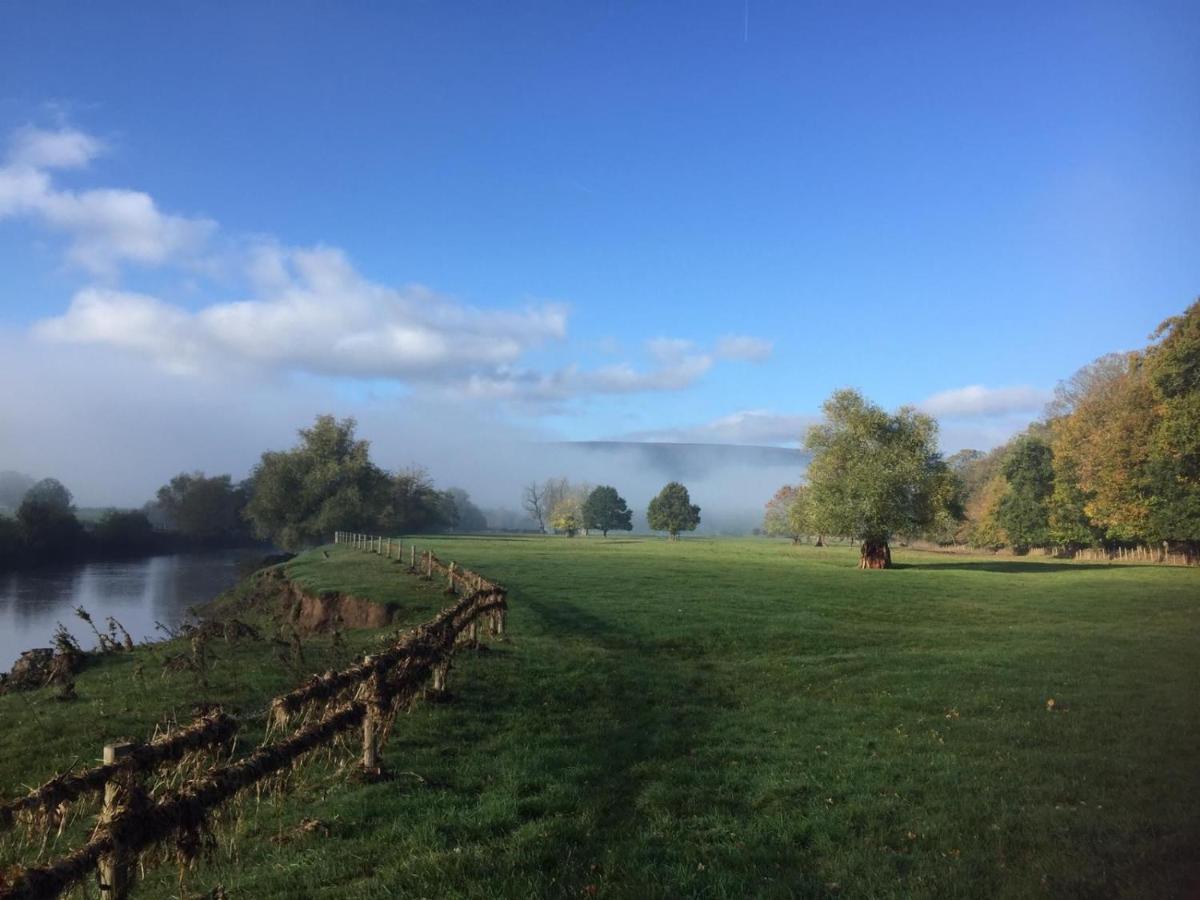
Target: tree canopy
x: 606, y: 510
x: 327, y: 482
x: 672, y: 511
x: 203, y: 507
x: 875, y: 474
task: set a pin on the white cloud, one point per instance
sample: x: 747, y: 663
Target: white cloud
x: 976, y: 400
x: 751, y: 426
x: 107, y: 226
x: 744, y: 347
x: 65, y: 148
x: 319, y: 317
x: 304, y: 310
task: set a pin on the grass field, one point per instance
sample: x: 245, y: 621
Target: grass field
x: 727, y: 718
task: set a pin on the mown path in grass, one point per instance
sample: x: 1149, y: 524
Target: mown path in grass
x: 727, y: 718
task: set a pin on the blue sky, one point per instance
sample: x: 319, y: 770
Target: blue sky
x: 583, y: 220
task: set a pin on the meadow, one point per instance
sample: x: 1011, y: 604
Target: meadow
x: 718, y: 718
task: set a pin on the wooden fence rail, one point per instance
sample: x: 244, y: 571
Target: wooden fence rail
x: 366, y: 695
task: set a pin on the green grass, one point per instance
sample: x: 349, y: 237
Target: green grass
x: 725, y: 718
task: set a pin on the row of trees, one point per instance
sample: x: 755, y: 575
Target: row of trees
x: 1117, y: 460
x: 571, y: 509
x: 292, y: 499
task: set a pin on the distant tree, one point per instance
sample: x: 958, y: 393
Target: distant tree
x: 327, y: 482
x: 874, y: 474
x: 413, y: 504
x: 533, y: 501
x: 606, y: 510
x: 567, y: 517
x: 1024, y: 510
x: 554, y: 492
x: 672, y: 511
x: 203, y: 507
x: 13, y: 487
x: 48, y: 522
x: 778, y: 520
x: 468, y: 516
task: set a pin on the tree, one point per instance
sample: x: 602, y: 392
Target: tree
x: 47, y: 519
x: 533, y: 500
x: 606, y: 511
x: 468, y: 516
x: 672, y: 511
x: 412, y: 504
x: 1102, y: 431
x: 124, y: 531
x: 873, y: 474
x: 201, y: 507
x: 781, y: 518
x: 566, y: 517
x: 1173, y: 463
x: 327, y: 482
x: 1024, y: 511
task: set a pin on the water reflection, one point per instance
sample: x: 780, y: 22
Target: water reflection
x: 135, y: 592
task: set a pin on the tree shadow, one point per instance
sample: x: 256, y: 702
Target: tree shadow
x: 1012, y: 567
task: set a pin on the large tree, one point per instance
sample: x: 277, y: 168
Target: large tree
x: 672, y: 511
x: 327, y: 482
x: 412, y: 504
x: 1173, y: 464
x: 875, y: 474
x: 533, y: 501
x: 1024, y: 510
x: 606, y: 510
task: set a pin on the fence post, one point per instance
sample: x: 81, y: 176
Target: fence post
x: 412, y: 557
x: 429, y: 564
x: 114, y: 880
x: 371, y: 723
x: 450, y: 577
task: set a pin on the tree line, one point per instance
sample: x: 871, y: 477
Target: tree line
x: 571, y: 509
x: 1114, y: 462
x: 292, y: 499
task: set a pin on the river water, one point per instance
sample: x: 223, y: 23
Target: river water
x: 136, y: 592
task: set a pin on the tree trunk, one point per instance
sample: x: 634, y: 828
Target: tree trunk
x: 875, y: 555
x: 820, y: 541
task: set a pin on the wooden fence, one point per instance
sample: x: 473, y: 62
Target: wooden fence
x: 367, y: 695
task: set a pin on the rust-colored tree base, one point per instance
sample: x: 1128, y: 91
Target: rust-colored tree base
x: 875, y: 555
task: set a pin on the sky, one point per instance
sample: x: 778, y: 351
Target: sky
x: 479, y: 224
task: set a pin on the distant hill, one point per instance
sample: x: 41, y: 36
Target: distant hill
x: 682, y: 461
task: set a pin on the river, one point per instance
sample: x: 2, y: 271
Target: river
x: 137, y: 593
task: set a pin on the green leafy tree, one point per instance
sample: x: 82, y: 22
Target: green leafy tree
x: 327, y: 482
x: 412, y: 504
x: 672, y: 511
x: 1024, y: 510
x: 606, y: 510
x: 874, y: 474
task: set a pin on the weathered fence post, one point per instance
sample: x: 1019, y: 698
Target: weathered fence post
x: 429, y: 564
x: 114, y: 879
x: 412, y: 557
x: 450, y: 578
x: 372, y: 721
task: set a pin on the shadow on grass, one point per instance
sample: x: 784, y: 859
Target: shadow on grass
x: 1011, y: 567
